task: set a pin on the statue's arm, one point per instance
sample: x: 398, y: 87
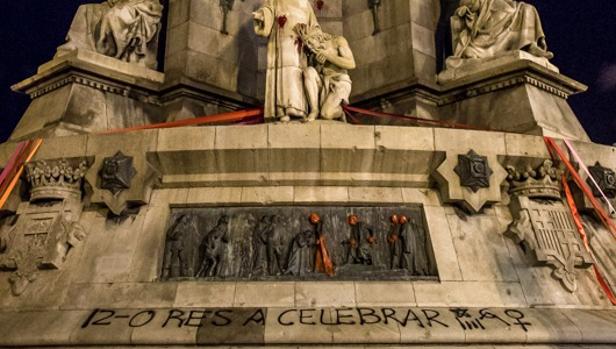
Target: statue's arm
x: 344, y: 59
x: 263, y: 20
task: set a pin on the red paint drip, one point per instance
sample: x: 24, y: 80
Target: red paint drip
x: 320, y: 4
x: 282, y: 20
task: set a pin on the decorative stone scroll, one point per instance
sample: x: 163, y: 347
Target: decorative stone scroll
x: 122, y: 182
x: 117, y: 173
x: 605, y: 178
x: 298, y: 243
x: 543, y: 225
x: 470, y: 180
x: 474, y: 171
x: 47, y: 229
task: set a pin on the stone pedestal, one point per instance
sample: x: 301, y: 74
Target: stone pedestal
x: 514, y: 93
x: 112, y: 287
x: 84, y: 91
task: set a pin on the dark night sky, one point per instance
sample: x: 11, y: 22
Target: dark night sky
x: 582, y: 34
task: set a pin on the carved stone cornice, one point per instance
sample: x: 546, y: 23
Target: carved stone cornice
x: 92, y: 81
x: 477, y: 77
x: 554, y: 84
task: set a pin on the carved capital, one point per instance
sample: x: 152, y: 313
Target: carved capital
x: 56, y: 179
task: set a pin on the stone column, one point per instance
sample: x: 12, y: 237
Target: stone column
x: 401, y: 56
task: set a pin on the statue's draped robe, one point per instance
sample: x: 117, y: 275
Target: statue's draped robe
x: 127, y: 29
x: 498, y: 26
x: 124, y: 29
x: 284, y: 89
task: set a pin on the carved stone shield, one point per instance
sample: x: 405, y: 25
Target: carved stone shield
x: 546, y: 229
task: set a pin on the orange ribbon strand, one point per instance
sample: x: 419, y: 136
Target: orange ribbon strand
x: 553, y: 148
x: 580, y: 227
x: 246, y: 115
x: 10, y: 175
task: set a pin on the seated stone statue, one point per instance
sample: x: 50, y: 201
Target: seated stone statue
x: 123, y: 29
x: 488, y: 28
x: 326, y: 80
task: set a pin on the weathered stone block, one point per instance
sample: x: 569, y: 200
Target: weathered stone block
x: 466, y: 293
x: 265, y: 294
x: 296, y: 326
x: 324, y: 294
x: 205, y: 294
x: 442, y: 242
x: 478, y: 239
x: 384, y: 293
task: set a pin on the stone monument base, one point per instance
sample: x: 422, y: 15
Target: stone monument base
x: 85, y: 92
x: 512, y: 93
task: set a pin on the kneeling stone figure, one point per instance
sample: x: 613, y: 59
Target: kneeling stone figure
x: 326, y: 80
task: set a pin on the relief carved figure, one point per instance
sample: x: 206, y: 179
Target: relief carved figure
x: 180, y: 256
x: 215, y: 250
x: 360, y: 244
x: 284, y: 91
x: 288, y: 243
x: 487, y: 28
x: 326, y: 79
x: 299, y: 262
x: 322, y: 260
x: 413, y: 246
x: 395, y: 244
x: 124, y: 29
x: 268, y: 247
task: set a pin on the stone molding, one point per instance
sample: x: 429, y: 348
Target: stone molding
x: 101, y: 83
x: 298, y: 154
x: 518, y: 73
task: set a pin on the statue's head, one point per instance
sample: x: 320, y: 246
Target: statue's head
x: 314, y: 218
x: 224, y: 219
x: 394, y: 219
x: 313, y: 36
x: 353, y: 219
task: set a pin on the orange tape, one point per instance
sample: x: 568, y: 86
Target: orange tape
x: 438, y: 123
x: 25, y: 155
x: 323, y: 262
x: 246, y: 115
x: 580, y: 227
x: 605, y: 219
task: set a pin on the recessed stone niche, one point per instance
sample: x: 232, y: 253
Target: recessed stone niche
x: 297, y: 243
